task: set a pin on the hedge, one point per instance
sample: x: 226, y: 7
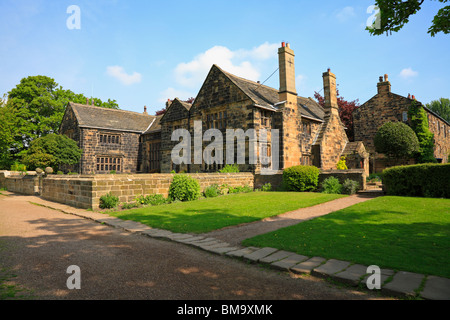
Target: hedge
x: 422, y: 180
x: 301, y: 178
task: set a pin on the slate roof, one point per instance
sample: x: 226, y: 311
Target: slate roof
x: 267, y: 97
x: 111, y: 119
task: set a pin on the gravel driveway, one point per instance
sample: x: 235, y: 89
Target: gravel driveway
x: 38, y: 244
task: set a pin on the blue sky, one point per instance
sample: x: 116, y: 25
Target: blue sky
x: 145, y: 52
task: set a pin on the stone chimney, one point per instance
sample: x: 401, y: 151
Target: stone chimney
x: 330, y: 92
x: 384, y: 87
x: 286, y: 62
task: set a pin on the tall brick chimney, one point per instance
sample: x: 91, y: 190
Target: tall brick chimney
x: 330, y: 93
x: 286, y: 63
x: 384, y: 86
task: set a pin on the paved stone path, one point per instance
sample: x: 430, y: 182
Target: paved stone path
x: 236, y: 234
x: 393, y: 283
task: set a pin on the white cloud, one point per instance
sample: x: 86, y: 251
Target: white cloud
x: 240, y: 62
x: 119, y: 73
x: 408, y: 73
x: 171, y: 93
x: 345, y: 14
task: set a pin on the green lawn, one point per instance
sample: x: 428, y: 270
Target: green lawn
x: 400, y: 233
x: 209, y: 214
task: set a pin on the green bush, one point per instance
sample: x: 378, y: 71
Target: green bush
x: 301, y: 178
x: 19, y: 167
x: 229, y: 168
x: 331, y: 185
x: 421, y: 180
x: 108, y: 201
x: 184, y: 188
x: 266, y: 187
x: 212, y: 191
x: 241, y: 189
x: 130, y: 205
x: 341, y: 165
x: 350, y: 186
x: 152, y: 199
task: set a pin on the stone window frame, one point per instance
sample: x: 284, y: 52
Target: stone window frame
x: 106, y: 164
x: 266, y: 118
x: 216, y: 120
x: 109, y: 138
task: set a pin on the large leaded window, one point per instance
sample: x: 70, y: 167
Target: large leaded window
x: 108, y: 164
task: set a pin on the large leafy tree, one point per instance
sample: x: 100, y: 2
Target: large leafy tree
x: 35, y: 108
x: 396, y: 140
x: 441, y: 107
x: 395, y: 14
x: 346, y: 109
x: 52, y: 150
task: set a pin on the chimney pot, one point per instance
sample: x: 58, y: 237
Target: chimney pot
x: 414, y: 98
x: 283, y: 44
x: 386, y: 77
x: 329, y: 69
x: 381, y: 79
x: 288, y: 45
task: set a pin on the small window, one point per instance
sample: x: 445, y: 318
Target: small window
x: 405, y: 116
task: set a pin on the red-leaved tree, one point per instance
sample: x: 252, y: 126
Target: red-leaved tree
x: 345, y: 111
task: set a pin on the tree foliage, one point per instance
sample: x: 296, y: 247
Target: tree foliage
x: 346, y: 109
x: 395, y: 14
x: 52, y: 150
x: 441, y: 107
x: 34, y: 108
x: 396, y: 140
x: 419, y: 124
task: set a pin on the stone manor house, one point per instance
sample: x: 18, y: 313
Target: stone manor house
x: 131, y: 142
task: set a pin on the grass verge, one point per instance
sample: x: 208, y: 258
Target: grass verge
x: 209, y: 214
x: 401, y: 233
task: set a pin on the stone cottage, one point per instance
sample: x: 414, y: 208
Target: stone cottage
x: 387, y: 106
x: 110, y: 139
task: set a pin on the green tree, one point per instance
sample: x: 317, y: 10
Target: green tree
x: 396, y: 140
x: 35, y: 108
x: 419, y: 124
x: 441, y: 107
x: 394, y: 14
x: 52, y: 150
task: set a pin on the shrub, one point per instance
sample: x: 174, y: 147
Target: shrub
x: 266, y: 187
x: 212, y: 191
x: 396, y: 140
x: 301, y: 178
x: 19, y: 167
x: 240, y: 189
x: 184, y: 188
x: 350, y: 186
x: 421, y: 180
x: 152, y: 199
x: 341, y: 165
x: 108, y: 201
x: 130, y: 205
x: 331, y: 185
x: 229, y: 168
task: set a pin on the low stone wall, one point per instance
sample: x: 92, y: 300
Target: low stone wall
x: 84, y: 191
x: 358, y: 175
x: 19, y: 182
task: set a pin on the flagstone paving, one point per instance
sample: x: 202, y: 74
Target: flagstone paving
x: 393, y: 283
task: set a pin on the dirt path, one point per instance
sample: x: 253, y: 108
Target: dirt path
x: 38, y: 244
x: 235, y: 235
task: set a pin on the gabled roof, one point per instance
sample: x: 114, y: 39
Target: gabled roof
x: 110, y: 119
x: 174, y: 112
x: 268, y: 97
